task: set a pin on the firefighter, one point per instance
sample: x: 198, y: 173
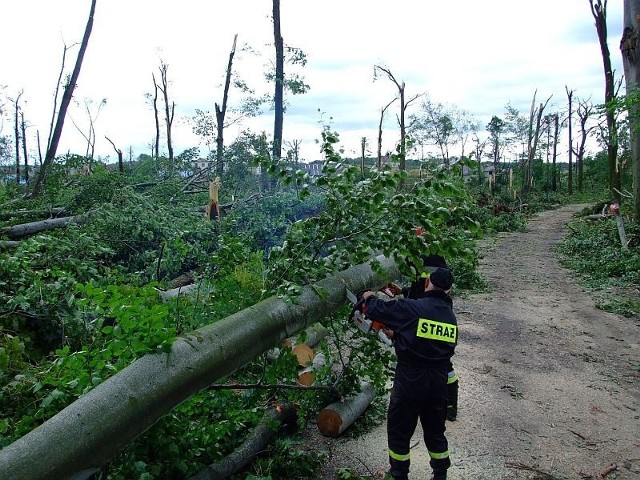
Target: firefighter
x: 417, y: 290
x: 425, y: 334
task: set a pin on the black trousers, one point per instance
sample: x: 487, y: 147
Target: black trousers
x: 418, y: 392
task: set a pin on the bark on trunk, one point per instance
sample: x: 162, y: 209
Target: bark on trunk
x: 278, y: 97
x: 630, y: 47
x: 337, y: 417
x: 253, y: 445
x: 599, y: 12
x: 85, y: 435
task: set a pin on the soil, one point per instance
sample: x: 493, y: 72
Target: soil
x: 549, y: 385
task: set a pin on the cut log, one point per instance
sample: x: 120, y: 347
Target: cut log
x: 303, y: 353
x: 337, y: 417
x: 253, y: 445
x: 307, y: 376
x: 26, y: 229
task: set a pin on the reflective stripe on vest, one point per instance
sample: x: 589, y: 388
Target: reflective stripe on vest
x: 432, y: 330
x: 398, y: 457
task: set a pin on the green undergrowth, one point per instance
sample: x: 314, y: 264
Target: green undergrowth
x: 593, y: 250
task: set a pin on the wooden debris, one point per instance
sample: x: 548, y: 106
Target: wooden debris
x: 610, y: 469
x: 26, y: 229
x: 253, y: 445
x: 337, y: 417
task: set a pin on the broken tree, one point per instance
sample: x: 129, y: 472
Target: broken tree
x: 74, y: 443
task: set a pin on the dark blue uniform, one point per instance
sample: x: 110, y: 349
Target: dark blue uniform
x: 425, y: 336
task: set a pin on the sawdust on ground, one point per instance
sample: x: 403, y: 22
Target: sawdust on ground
x: 549, y: 385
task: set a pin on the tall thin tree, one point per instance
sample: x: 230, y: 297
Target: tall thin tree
x: 64, y: 105
x: 221, y: 112
x: 278, y: 97
x: 16, y: 131
x: 169, y: 108
x: 570, y: 131
x: 599, y: 12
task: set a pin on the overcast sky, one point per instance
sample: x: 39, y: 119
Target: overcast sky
x: 476, y: 55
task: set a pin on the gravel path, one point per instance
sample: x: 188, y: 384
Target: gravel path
x: 549, y: 385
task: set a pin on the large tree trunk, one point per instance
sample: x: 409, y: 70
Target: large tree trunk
x: 599, y: 12
x: 629, y: 45
x: 570, y: 125
x: 278, y: 97
x: 85, y: 435
x: 64, y: 105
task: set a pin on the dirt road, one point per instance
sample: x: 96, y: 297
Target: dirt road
x: 549, y: 385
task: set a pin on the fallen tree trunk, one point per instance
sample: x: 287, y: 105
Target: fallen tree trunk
x: 337, y: 417
x: 253, y: 445
x: 74, y: 443
x: 8, y: 244
x: 26, y: 229
x: 38, y: 213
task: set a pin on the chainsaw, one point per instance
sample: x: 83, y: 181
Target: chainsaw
x: 364, y: 324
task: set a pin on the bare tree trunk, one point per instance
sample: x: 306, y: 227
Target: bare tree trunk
x: 64, y: 105
x: 156, y: 152
x: 584, y: 111
x: 599, y: 12
x: 168, y: 110
x: 556, y: 121
x: 278, y: 97
x: 24, y: 147
x: 16, y: 129
x: 570, y: 126
x: 403, y: 107
x: 119, y: 153
x: 380, y: 133
x: 630, y: 47
x: 222, y: 111
x: 39, y: 148
x: 85, y: 435
x: 363, y: 148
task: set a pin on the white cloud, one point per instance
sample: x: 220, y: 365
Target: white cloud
x: 476, y: 55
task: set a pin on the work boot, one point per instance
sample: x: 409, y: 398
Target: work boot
x: 439, y: 476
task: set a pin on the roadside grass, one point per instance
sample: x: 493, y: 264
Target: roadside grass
x: 593, y: 251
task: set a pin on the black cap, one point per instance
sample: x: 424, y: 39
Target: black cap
x: 440, y: 274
